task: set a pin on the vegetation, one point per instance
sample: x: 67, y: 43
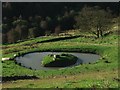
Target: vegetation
x: 74, y: 82
x: 61, y: 60
x: 54, y: 19
x: 95, y: 20
x: 107, y: 66
x: 26, y: 30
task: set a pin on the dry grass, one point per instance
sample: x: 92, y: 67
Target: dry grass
x: 61, y: 81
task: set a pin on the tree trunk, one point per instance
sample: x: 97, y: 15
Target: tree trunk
x: 101, y: 33
x: 98, y: 33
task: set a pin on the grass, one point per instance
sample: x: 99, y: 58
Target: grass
x: 101, y: 74
x: 96, y: 80
x: 60, y: 60
x: 47, y: 59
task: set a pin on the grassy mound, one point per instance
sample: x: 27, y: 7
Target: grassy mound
x: 60, y: 60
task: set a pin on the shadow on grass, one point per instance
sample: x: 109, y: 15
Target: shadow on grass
x: 59, y: 39
x: 14, y: 78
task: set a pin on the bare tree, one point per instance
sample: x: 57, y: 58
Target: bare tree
x: 94, y: 20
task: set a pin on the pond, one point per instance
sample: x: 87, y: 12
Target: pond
x: 33, y: 60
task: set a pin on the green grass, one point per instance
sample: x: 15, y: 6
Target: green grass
x: 59, y: 60
x: 47, y: 59
x: 91, y: 80
x: 106, y: 47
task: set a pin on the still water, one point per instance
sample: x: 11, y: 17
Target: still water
x: 33, y: 60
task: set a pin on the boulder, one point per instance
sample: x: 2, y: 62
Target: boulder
x: 3, y: 59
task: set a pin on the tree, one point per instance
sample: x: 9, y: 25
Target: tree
x: 20, y: 22
x: 49, y: 23
x: 38, y: 19
x: 67, y: 21
x: 19, y: 30
x: 47, y: 33
x: 57, y: 29
x: 33, y: 32
x: 4, y: 28
x: 44, y: 25
x: 4, y: 38
x: 95, y: 20
x: 13, y: 36
x: 22, y: 27
x: 24, y: 32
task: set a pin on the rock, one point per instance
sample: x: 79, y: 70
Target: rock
x: 15, y: 55
x: 54, y: 56
x: 3, y: 59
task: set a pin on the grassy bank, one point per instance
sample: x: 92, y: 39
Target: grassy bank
x: 108, y: 63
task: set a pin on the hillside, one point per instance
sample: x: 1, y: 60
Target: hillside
x: 105, y: 70
x: 59, y: 45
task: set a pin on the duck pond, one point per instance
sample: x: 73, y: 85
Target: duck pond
x: 34, y: 60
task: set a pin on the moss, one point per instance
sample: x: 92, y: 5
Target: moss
x: 61, y: 60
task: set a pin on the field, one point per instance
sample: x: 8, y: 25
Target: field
x: 101, y: 74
